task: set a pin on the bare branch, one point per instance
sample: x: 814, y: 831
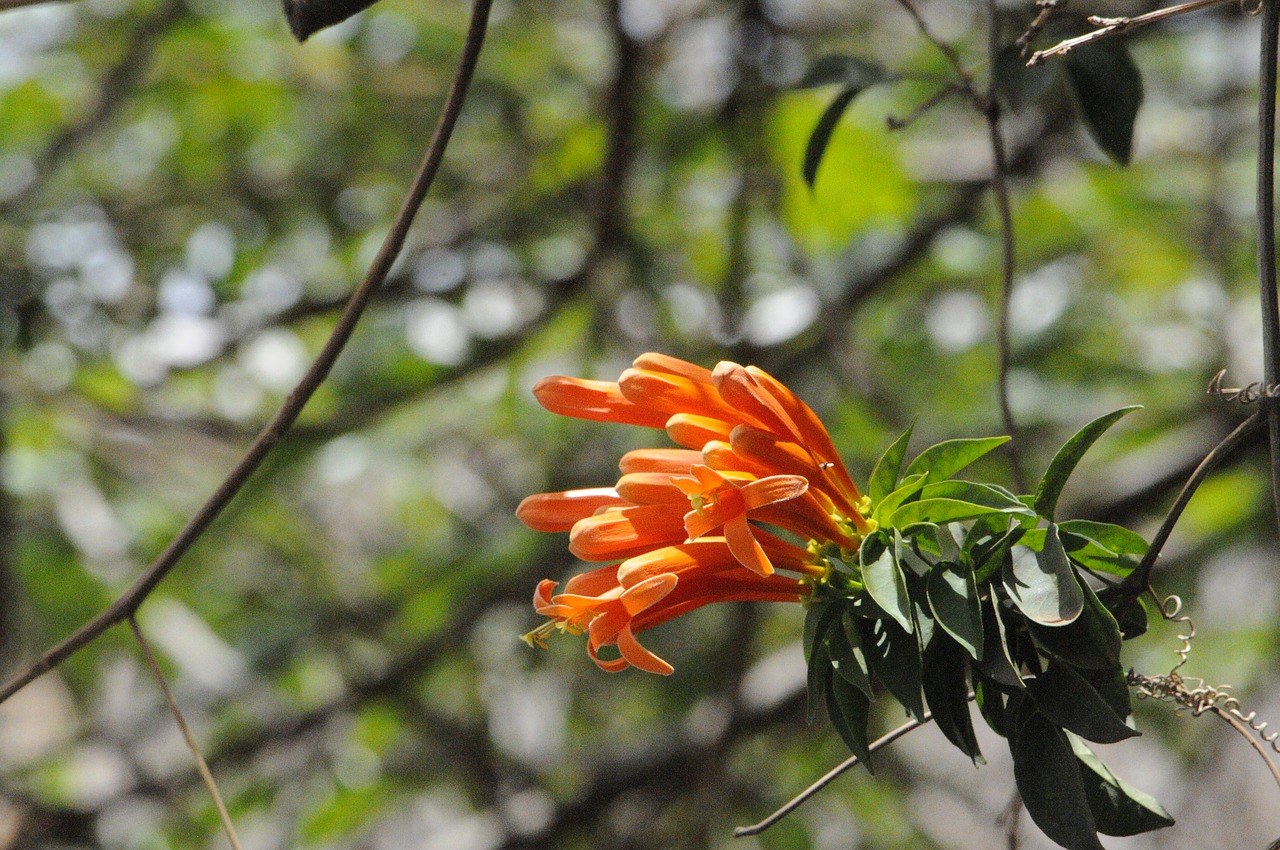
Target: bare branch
x: 1113, y: 26
x: 201, y: 765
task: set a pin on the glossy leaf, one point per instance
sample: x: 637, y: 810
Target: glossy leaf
x: 953, y: 599
x: 940, y: 462
x: 1048, y: 777
x: 1091, y: 641
x: 946, y: 689
x: 884, y: 581
x: 1043, y: 584
x: 1118, y: 808
x: 894, y: 656
x: 849, y: 710
x: 1113, y: 538
x: 909, y: 486
x: 847, y: 655
x: 1066, y: 698
x: 1068, y: 457
x: 884, y: 478
x: 997, y: 661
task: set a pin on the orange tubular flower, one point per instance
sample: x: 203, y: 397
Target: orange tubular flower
x: 753, y: 453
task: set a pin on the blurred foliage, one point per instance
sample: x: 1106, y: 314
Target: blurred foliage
x: 187, y: 195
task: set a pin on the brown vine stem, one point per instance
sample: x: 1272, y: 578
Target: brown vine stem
x: 1140, y: 579
x: 1266, y: 214
x: 1008, y: 257
x: 1113, y: 26
x: 830, y: 776
x: 129, y: 602
x: 201, y: 764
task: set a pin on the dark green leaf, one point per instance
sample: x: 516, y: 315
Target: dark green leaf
x: 849, y: 709
x: 997, y: 660
x: 1066, y: 698
x: 894, y: 656
x: 953, y: 599
x: 884, y: 581
x: 1043, y: 584
x: 817, y: 622
x: 1065, y: 461
x: 1048, y: 777
x: 846, y: 70
x: 1112, y: 686
x: 819, y: 678
x: 1118, y: 808
x: 978, y: 494
x: 991, y: 704
x: 1108, y: 90
x: 1128, y: 610
x: 885, y: 475
x: 847, y: 656
x: 941, y: 461
x: 946, y: 689
x: 1091, y: 641
x: 821, y: 136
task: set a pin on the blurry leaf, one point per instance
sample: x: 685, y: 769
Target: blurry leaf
x: 1108, y: 90
x: 894, y: 656
x: 1064, y: 697
x: 846, y: 70
x: 946, y: 689
x: 1048, y: 777
x: 1043, y: 584
x: 940, y: 462
x: 1016, y: 84
x: 884, y: 580
x: 821, y: 135
x: 953, y: 598
x: 885, y: 475
x: 1065, y: 461
x: 310, y: 16
x: 849, y: 709
x: 1118, y: 808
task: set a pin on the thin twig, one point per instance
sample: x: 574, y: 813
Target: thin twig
x: 1140, y: 578
x: 1266, y: 214
x: 1008, y: 260
x: 1112, y: 26
x: 946, y: 49
x: 1245, y: 733
x: 125, y: 605
x: 799, y: 800
x: 203, y: 767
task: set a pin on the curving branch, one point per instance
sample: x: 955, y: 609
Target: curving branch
x: 128, y: 603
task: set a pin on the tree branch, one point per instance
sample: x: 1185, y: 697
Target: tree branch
x: 128, y: 603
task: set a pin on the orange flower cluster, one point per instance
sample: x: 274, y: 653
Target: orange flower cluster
x: 683, y: 524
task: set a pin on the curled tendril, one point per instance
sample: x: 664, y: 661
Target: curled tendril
x: 1194, y: 694
x: 1255, y: 391
x: 1251, y: 8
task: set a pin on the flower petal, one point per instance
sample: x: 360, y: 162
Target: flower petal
x: 626, y: 532
x: 654, y: 362
x: 601, y: 401
x: 674, y: 461
x: 707, y: 555
x: 651, y: 488
x: 745, y: 548
x: 774, y: 489
x: 559, y: 511
x: 694, y: 432
x: 640, y: 657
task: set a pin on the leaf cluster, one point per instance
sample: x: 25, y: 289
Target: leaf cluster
x: 966, y: 591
